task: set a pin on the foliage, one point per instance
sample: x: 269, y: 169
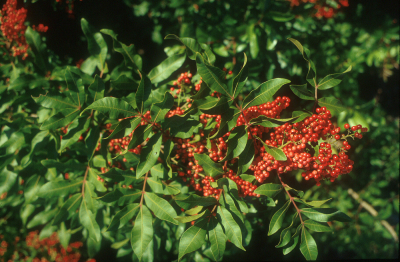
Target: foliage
x: 162, y: 168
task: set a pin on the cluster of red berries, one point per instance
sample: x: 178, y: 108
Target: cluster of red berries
x: 13, y: 28
x: 47, y: 249
x: 323, y: 9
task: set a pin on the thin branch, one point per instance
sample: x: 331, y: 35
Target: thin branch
x: 374, y: 213
x: 84, y: 181
x: 144, y: 187
x: 292, y: 200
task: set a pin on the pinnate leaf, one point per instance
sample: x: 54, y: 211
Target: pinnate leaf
x: 161, y: 207
x: 193, y: 238
x: 277, y: 219
x: 142, y: 232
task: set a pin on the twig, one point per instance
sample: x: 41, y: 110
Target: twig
x: 292, y: 200
x: 144, y: 187
x: 374, y: 213
x: 84, y: 181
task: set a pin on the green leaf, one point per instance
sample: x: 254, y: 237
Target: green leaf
x: 124, y: 83
x: 68, y: 208
x: 128, y: 196
x: 161, y: 208
x: 232, y: 229
x: 285, y: 234
x: 116, y: 108
x: 269, y: 190
x: 276, y: 153
x: 229, y: 204
x: 14, y: 143
x: 277, y: 219
x: 159, y: 110
x: 281, y: 17
x: 248, y: 178
x: 75, y: 130
x: 149, y: 155
x: 254, y: 48
x: 96, y: 88
x: 217, y: 239
x: 302, y: 92
x: 142, y: 232
x: 71, y: 165
x: 88, y: 220
x: 143, y: 91
x: 89, y: 197
x: 140, y: 134
x: 112, y: 196
x: 59, y: 188
x: 332, y: 80
x: 192, y: 46
x: 316, y: 203
x: 298, y: 193
x: 210, y: 167
x: 325, y: 214
x: 237, y: 141
x: 187, y: 219
x: 64, y: 235
x: 41, y: 218
x: 312, y: 72
x: 331, y: 104
x: 33, y: 38
x: 295, y: 239
x: 193, y: 238
x: 308, y: 247
x: 212, y: 76
x: 271, y: 122
x: 246, y: 157
x: 166, y: 68
x: 96, y: 45
x: 55, y: 101
x: 187, y: 202
x: 316, y: 226
x: 60, y: 119
x: 211, y: 105
x: 185, y: 131
x: 240, y: 80
x: 31, y: 188
x: 128, y: 52
x: 301, y: 115
x: 122, y: 217
x: 264, y: 92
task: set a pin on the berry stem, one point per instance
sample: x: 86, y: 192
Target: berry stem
x: 291, y: 200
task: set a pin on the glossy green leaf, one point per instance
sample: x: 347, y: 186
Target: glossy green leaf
x: 68, y: 208
x: 332, y: 80
x: 264, y: 92
x: 302, y: 92
x: 217, y: 239
x: 277, y: 219
x: 232, y: 229
x: 96, y: 89
x: 331, y: 104
x: 60, y: 119
x: 55, y: 101
x: 159, y: 110
x: 193, y: 238
x: 317, y: 226
x: 293, y: 242
x: 285, y: 234
x: 308, y: 247
x: 88, y: 220
x: 96, y: 45
x: 192, y: 46
x: 122, y: 217
x: 33, y: 38
x: 114, y: 107
x: 237, y: 141
x: 143, y: 92
x: 166, y: 68
x: 253, y: 39
x: 210, y: 167
x: 312, y: 72
x: 301, y: 115
x: 139, y: 136
x: 41, y: 218
x: 128, y: 52
x: 315, y: 203
x: 246, y: 157
x: 271, y: 122
x: 187, y: 219
x: 269, y: 190
x: 325, y: 214
x: 149, y: 155
x: 212, y: 76
x: 187, y: 202
x: 161, y: 207
x: 32, y: 186
x: 75, y: 130
x: 276, y: 153
x: 142, y: 232
x: 59, y: 188
x: 240, y: 80
x: 14, y: 143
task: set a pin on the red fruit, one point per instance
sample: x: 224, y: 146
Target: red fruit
x: 346, y: 126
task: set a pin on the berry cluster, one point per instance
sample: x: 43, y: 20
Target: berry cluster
x: 323, y: 9
x: 13, y: 28
x: 46, y: 249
